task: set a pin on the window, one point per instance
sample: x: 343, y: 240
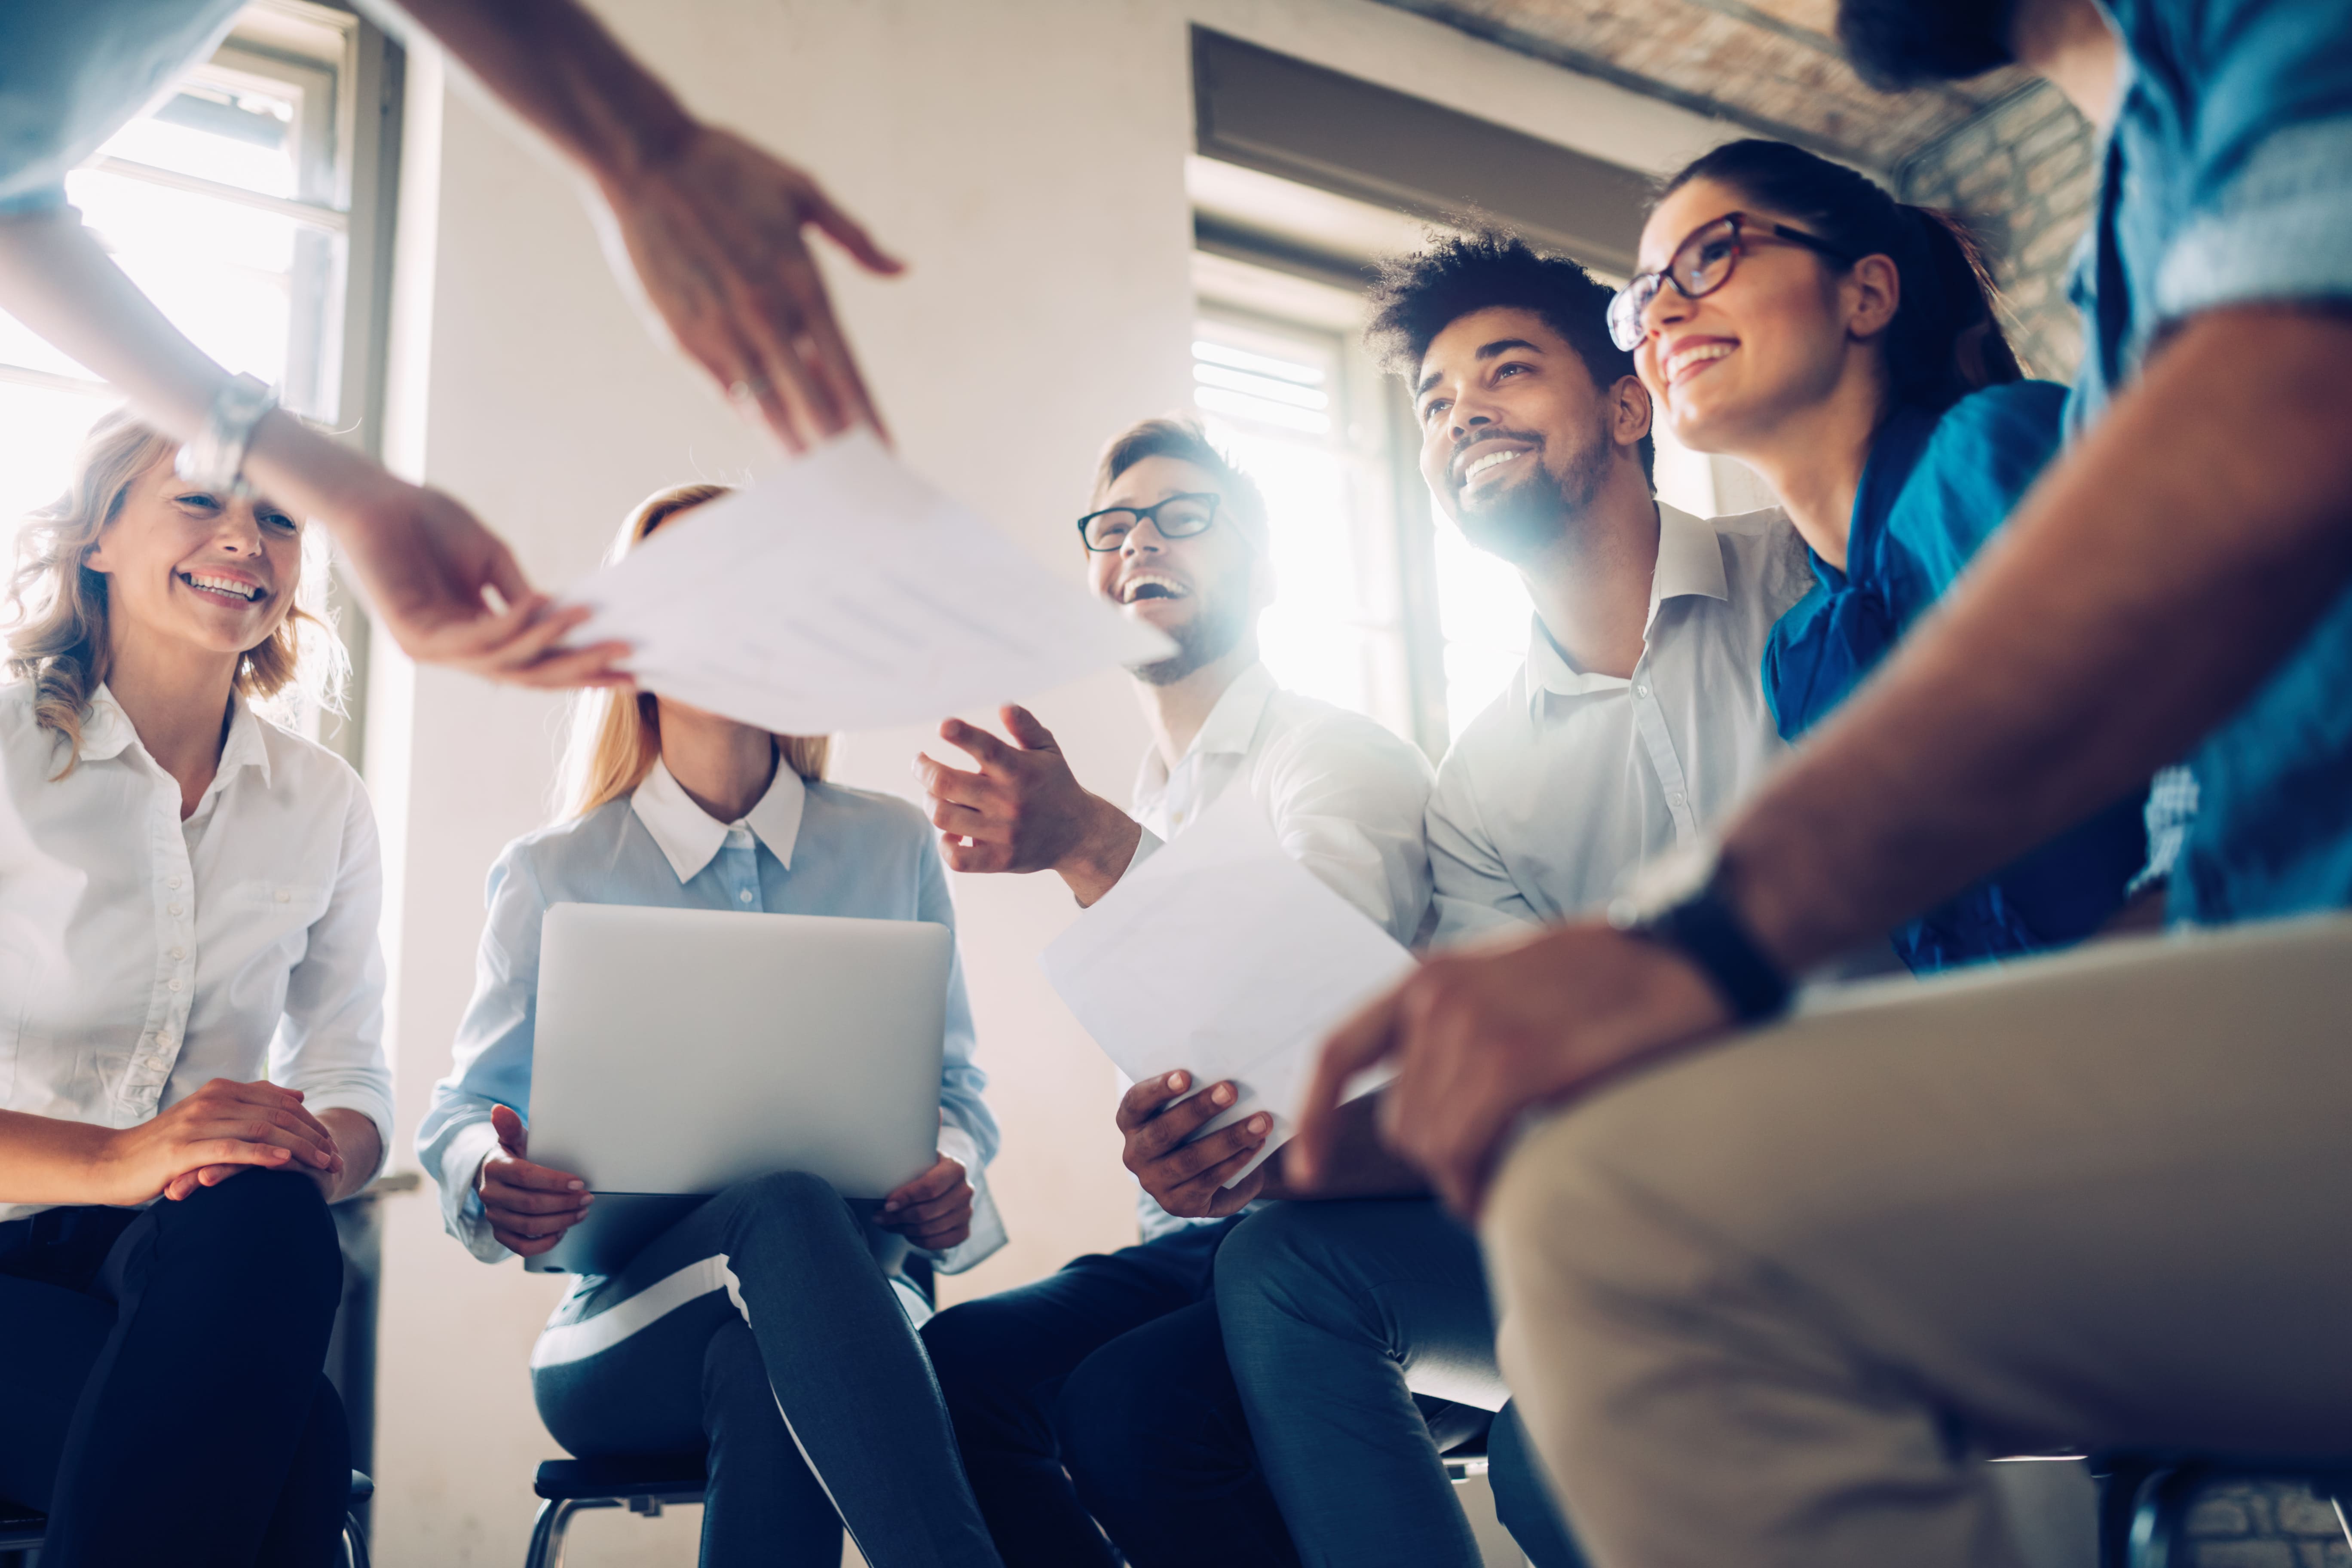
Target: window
x: 249, y: 206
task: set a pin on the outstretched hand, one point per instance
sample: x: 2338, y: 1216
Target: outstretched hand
x: 1024, y: 810
x: 1482, y: 1035
x: 715, y: 233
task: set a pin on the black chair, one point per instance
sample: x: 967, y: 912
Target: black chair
x: 22, y: 1530
x: 570, y: 1487
x: 2145, y: 1498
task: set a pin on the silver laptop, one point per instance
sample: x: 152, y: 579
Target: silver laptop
x: 680, y: 1051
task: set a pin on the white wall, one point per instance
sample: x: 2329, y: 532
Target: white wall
x: 1028, y: 158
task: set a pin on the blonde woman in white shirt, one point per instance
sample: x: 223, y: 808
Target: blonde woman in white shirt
x: 223, y: 895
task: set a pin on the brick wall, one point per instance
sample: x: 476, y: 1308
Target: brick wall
x: 2023, y: 173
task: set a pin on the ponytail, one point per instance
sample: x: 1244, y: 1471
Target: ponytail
x: 1946, y: 340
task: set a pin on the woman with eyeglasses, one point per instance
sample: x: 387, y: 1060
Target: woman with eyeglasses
x: 773, y: 1327
x: 1791, y: 314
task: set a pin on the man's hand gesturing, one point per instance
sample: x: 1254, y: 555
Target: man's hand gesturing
x: 1024, y: 810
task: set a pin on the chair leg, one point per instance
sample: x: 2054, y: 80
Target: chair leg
x: 2336, y: 1494
x: 2118, y: 1484
x: 553, y: 1523
x: 2159, y: 1517
x: 355, y: 1551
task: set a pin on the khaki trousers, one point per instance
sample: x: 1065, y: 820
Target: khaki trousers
x: 1768, y: 1305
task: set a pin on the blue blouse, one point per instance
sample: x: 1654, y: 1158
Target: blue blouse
x: 812, y: 849
x: 1936, y: 488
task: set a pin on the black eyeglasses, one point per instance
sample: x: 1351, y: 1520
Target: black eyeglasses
x: 1701, y: 265
x: 1177, y: 517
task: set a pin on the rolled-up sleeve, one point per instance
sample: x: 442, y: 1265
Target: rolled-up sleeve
x: 1348, y: 806
x: 330, y: 1043
x: 967, y: 1133
x: 492, y: 1065
x: 1473, y: 889
x: 2264, y: 122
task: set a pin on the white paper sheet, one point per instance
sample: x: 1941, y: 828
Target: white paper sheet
x: 1222, y: 955
x: 842, y: 592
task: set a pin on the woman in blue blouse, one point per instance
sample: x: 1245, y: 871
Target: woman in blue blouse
x: 1845, y: 346
x: 764, y: 1327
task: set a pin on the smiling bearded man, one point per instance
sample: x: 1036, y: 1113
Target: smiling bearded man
x: 1101, y: 1395
x: 1636, y: 722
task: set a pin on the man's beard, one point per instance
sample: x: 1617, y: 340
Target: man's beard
x: 1208, y: 637
x: 1528, y: 516
x: 1899, y: 43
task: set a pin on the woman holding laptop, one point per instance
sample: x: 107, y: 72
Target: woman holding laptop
x: 215, y: 898
x: 763, y: 1327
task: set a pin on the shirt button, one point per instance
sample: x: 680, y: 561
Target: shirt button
x: 178, y: 909
x: 1675, y: 798
x: 1641, y: 692
x: 175, y: 982
x: 285, y: 896
x: 179, y: 952
x: 173, y: 883
x: 745, y: 895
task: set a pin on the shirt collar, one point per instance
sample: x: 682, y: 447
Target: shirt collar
x: 1229, y: 730
x: 1690, y: 564
x: 107, y: 732
x: 690, y: 837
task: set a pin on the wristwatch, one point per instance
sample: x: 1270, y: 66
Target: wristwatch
x: 1679, y: 902
x: 215, y: 458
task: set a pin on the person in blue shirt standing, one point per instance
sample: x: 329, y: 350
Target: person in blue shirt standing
x: 773, y: 1326
x: 1857, y: 365
x: 1768, y: 1298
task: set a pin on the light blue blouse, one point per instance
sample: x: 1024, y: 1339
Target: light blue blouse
x: 812, y: 849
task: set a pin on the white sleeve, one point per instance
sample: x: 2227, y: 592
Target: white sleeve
x: 330, y: 1043
x: 1346, y: 799
x: 1475, y: 891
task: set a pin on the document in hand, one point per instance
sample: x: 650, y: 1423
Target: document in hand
x: 1223, y: 955
x: 842, y: 592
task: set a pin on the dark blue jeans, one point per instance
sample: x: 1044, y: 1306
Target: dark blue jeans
x: 761, y: 1329
x: 1343, y: 1321
x: 160, y: 1390
x: 1100, y: 1395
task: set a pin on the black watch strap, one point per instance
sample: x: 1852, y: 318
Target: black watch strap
x: 1704, y: 929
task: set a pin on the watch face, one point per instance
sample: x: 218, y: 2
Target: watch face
x: 1659, y: 885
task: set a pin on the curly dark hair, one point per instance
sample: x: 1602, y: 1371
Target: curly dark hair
x: 1416, y: 296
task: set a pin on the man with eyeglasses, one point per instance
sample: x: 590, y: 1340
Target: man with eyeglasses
x: 1101, y: 1395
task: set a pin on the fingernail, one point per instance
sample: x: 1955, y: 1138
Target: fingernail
x: 579, y: 1187
x: 587, y: 1198
x: 1222, y: 1095
x: 1176, y: 1080
x: 1259, y: 1123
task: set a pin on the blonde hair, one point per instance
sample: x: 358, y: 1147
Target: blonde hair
x: 616, y: 735
x: 58, y: 632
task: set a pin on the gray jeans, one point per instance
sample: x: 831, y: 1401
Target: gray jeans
x: 762, y: 1329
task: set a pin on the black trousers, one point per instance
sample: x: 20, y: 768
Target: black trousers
x: 160, y: 1387
x: 1100, y: 1395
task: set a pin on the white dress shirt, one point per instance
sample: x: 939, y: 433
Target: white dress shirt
x: 1569, y: 780
x: 1344, y: 795
x: 238, y: 942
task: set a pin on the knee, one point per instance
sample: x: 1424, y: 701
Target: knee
x: 1127, y: 1424
x: 1277, y: 1268
x: 967, y: 1345
x: 791, y: 1192
x: 271, y: 1227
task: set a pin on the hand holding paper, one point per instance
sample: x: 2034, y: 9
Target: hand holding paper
x: 1225, y: 957
x: 842, y: 592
